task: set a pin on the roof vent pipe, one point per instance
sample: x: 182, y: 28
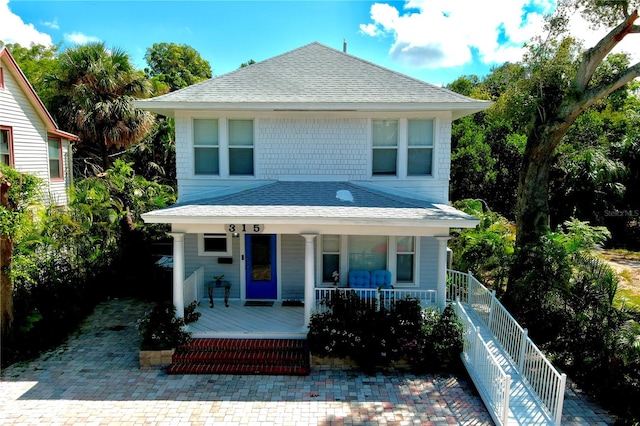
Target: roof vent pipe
x: 344, y: 45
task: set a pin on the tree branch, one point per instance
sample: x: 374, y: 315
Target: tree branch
x: 594, y: 56
x: 596, y: 93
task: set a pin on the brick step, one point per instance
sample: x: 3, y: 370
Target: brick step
x: 231, y: 356
x: 286, y: 370
x: 242, y: 356
x: 203, y: 344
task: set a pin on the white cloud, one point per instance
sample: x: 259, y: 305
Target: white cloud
x: 442, y: 33
x: 52, y: 24
x: 15, y: 30
x: 79, y: 38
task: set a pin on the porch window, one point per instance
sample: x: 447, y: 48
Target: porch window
x: 367, y: 252
x: 420, y: 148
x: 330, y: 256
x: 385, y: 147
x: 6, y: 146
x: 405, y: 259
x: 206, y: 149
x: 214, y: 245
x: 55, y: 158
x: 241, y: 147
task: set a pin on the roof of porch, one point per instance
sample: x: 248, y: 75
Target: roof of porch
x: 314, y: 202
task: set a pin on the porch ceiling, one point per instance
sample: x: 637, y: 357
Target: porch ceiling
x: 331, y: 203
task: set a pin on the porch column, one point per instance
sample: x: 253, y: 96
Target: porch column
x: 309, y: 277
x: 442, y: 272
x: 178, y: 272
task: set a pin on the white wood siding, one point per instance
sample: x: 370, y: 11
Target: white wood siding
x: 211, y: 266
x: 292, y: 267
x: 332, y: 146
x: 428, y: 263
x: 29, y: 139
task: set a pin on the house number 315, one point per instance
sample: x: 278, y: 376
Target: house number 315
x: 245, y: 229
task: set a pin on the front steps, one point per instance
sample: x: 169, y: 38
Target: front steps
x: 242, y: 356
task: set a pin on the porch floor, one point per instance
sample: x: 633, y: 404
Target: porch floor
x: 239, y: 321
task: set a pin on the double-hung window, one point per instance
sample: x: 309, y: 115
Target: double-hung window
x: 206, y: 148
x: 420, y: 148
x: 241, y: 147
x: 385, y: 147
x: 330, y: 256
x: 6, y: 146
x: 55, y: 158
x: 405, y: 259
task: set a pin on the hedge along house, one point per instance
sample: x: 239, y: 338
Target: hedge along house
x: 306, y: 164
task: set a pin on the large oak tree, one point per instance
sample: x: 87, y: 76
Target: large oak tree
x: 562, y: 81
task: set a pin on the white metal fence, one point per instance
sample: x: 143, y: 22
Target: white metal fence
x: 492, y: 382
x: 193, y: 285
x: 534, y: 367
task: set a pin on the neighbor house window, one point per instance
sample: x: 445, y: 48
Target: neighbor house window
x: 214, y: 245
x: 55, y: 158
x: 367, y: 252
x: 420, y: 148
x: 241, y: 147
x: 385, y: 147
x: 6, y: 146
x: 330, y: 256
x: 405, y: 259
x: 1, y: 78
x: 206, y: 148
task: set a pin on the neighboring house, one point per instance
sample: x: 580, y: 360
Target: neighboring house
x: 307, y: 163
x: 30, y: 140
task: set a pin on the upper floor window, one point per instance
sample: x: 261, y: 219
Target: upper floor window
x: 241, y: 147
x: 55, y: 158
x: 6, y: 146
x: 420, y: 148
x: 206, y: 149
x: 385, y: 147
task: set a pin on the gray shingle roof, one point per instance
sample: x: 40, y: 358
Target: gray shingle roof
x: 312, y: 77
x: 315, y: 202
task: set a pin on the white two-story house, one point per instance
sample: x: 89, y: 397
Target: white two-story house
x: 306, y: 164
x: 30, y: 140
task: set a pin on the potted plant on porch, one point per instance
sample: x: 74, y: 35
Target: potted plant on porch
x: 161, y: 332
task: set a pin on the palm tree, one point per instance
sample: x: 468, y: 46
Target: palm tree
x: 95, y: 87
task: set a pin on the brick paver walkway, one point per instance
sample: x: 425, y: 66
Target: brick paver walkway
x: 94, y: 379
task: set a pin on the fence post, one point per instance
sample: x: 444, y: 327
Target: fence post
x: 560, y: 398
x: 523, y: 343
x: 493, y: 297
x: 507, y: 393
x: 469, y: 291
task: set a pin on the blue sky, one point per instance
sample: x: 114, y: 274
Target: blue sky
x: 432, y: 40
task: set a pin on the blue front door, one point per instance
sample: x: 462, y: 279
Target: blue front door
x: 261, y: 266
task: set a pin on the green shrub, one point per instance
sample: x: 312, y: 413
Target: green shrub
x: 160, y: 328
x: 354, y: 328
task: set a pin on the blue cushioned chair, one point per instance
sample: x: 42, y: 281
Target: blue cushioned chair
x: 359, y: 279
x: 381, y: 279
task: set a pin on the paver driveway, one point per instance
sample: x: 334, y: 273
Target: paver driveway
x: 94, y: 379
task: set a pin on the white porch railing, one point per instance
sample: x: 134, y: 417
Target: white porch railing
x: 192, y: 286
x: 382, y: 298
x: 534, y: 367
x: 492, y: 382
